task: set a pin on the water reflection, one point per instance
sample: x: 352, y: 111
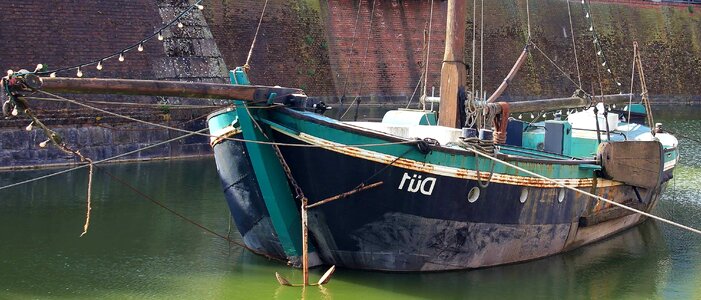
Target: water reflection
x: 137, y: 250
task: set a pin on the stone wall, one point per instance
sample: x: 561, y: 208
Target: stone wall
x: 329, y: 48
x: 61, y: 33
x: 317, y: 45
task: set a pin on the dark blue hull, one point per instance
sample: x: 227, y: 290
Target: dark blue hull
x: 428, y: 223
x: 244, y: 198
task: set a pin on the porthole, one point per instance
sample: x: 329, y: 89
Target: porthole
x: 561, y: 195
x: 524, y: 195
x: 473, y: 195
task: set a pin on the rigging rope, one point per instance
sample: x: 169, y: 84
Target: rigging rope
x: 602, y: 199
x: 574, y: 44
x: 528, y: 19
x: 474, y: 45
x: 632, y: 81
x: 98, y: 162
x: 255, y: 36
x: 225, y: 138
x: 365, y: 56
x: 482, y: 48
x: 183, y: 217
x: 598, y: 48
x: 350, y: 53
x: 556, y: 66
x: 428, y: 54
x: 415, y: 89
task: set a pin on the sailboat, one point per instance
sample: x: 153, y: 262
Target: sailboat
x: 416, y: 193
x: 444, y: 198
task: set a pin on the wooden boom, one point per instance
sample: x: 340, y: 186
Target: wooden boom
x: 158, y: 88
x: 564, y: 103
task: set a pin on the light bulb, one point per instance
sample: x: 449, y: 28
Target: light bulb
x: 121, y: 57
x: 200, y: 6
x: 603, y: 64
x: 39, y: 67
x: 10, y: 72
x: 545, y: 115
x: 30, y: 126
x: 532, y: 116
x: 596, y: 40
x: 582, y: 1
x: 598, y: 53
x: 99, y: 65
x: 180, y: 25
x: 43, y: 144
x: 15, y: 112
x: 587, y: 15
x: 79, y: 73
x: 608, y: 70
x: 618, y: 83
x: 52, y: 75
x: 160, y: 36
x: 591, y: 28
x: 140, y: 48
x: 520, y: 116
x: 614, y: 106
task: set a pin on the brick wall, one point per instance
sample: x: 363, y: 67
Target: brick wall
x: 384, y: 53
x: 291, y: 48
x: 66, y: 33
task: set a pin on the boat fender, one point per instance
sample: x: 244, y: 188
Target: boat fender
x: 7, y: 108
x: 426, y: 145
x: 320, y: 108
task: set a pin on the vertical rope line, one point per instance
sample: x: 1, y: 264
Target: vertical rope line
x: 528, y: 18
x: 416, y: 88
x: 474, y: 44
x: 350, y: 54
x: 365, y: 56
x: 255, y: 36
x: 574, y: 44
x: 632, y: 81
x: 428, y: 54
x: 481, y: 47
x: 89, y: 206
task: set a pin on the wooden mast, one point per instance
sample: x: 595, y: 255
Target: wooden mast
x: 453, y: 69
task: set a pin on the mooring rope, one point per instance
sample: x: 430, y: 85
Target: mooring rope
x: 599, y: 198
x: 185, y: 218
x: 99, y: 161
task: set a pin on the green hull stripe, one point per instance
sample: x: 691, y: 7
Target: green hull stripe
x: 411, y: 152
x: 271, y: 178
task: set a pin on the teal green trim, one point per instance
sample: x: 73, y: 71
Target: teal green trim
x: 222, y: 121
x: 429, y: 118
x: 636, y: 108
x: 590, y: 166
x: 278, y: 127
x: 462, y: 161
x: 271, y: 177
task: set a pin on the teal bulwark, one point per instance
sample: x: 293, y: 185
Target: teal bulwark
x: 271, y: 177
x: 294, y: 126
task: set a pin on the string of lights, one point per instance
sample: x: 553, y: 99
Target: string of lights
x: 121, y: 54
x: 597, y: 44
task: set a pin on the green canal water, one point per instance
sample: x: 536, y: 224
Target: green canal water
x: 138, y: 250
